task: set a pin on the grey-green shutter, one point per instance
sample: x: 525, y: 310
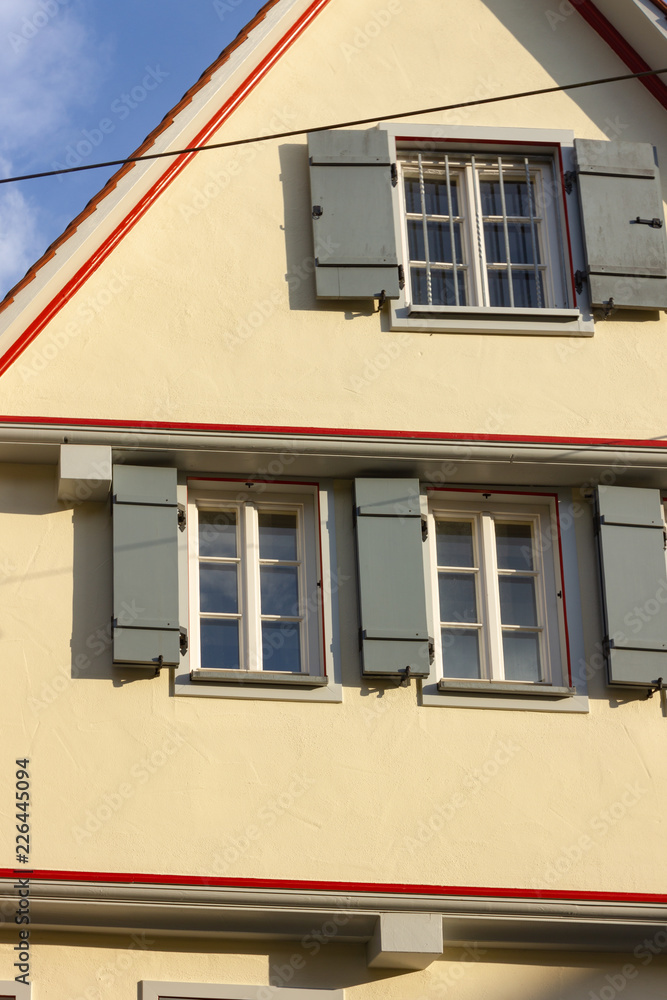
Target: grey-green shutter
x: 394, y: 631
x: 632, y: 558
x: 353, y: 214
x: 619, y: 182
x: 145, y: 566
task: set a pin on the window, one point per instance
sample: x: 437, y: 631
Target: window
x: 255, y: 598
x: 482, y: 231
x: 11, y: 990
x: 498, y: 606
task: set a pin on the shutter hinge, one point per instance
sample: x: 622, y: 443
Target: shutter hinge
x: 568, y: 179
x: 608, y: 308
x: 317, y: 211
x: 653, y: 223
x: 424, y: 529
x: 431, y: 650
x: 181, y: 517
x: 579, y: 278
x: 183, y: 639
x: 664, y: 538
x: 657, y: 686
x: 394, y: 175
x: 401, y: 276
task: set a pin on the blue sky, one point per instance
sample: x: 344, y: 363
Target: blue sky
x: 87, y: 80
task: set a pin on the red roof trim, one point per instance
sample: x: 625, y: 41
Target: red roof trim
x: 172, y: 171
x: 344, y: 432
x: 622, y: 48
x: 310, y: 885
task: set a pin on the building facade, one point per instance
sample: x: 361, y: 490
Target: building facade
x: 332, y: 539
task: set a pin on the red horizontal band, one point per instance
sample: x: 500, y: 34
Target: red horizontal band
x: 343, y: 432
x: 309, y: 885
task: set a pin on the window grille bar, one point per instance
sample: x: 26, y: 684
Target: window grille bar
x: 479, y: 228
x: 533, y: 235
x: 503, y: 205
x: 422, y: 196
x: 451, y: 231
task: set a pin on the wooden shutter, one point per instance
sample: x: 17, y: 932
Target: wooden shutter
x: 352, y: 193
x: 394, y: 631
x: 634, y: 582
x: 619, y: 182
x: 145, y: 566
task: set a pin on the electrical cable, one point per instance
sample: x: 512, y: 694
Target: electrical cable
x: 338, y: 125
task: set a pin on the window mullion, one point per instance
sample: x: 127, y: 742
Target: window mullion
x: 252, y: 624
x: 427, y: 258
x: 533, y: 235
x: 492, y: 598
x: 480, y: 256
x: 503, y: 204
x: 452, y: 237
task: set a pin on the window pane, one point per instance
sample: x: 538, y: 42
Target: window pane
x: 514, y: 546
x: 440, y: 243
x: 218, y: 588
x: 435, y: 195
x: 521, y: 651
x: 499, y: 292
x: 454, y: 544
x: 280, y: 590
x: 460, y: 653
x: 525, y: 289
x: 281, y: 646
x: 517, y: 600
x: 458, y: 600
x: 419, y: 286
x: 416, y: 239
x: 277, y: 536
x: 442, y: 288
x: 413, y: 202
x: 220, y: 644
x: 520, y: 241
x: 217, y: 533
x: 516, y: 197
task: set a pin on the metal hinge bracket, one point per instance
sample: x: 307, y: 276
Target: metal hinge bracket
x: 401, y: 276
x: 569, y: 178
x: 394, y: 175
x: 424, y: 529
x: 653, y: 223
x: 579, y: 278
x: 181, y: 517
x: 183, y: 639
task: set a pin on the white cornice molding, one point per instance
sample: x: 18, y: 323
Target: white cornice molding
x: 222, y: 912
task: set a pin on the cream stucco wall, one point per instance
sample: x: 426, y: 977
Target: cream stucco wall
x: 206, y: 310
x: 90, y: 967
x: 379, y: 788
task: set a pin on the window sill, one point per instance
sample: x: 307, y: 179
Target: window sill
x: 473, y: 319
x: 509, y: 688
x: 263, y: 677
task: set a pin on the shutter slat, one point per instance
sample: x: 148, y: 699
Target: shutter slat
x: 392, y: 594
x: 633, y: 569
x: 353, y: 214
x: 619, y: 182
x: 145, y: 566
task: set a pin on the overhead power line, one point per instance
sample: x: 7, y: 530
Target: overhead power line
x: 337, y: 125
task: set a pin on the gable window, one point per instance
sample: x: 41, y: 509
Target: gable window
x: 482, y: 231
x: 497, y: 595
x: 254, y: 585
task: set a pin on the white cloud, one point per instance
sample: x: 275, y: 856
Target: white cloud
x: 51, y: 64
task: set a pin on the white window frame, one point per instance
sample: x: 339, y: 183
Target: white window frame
x: 319, y: 678
x: 563, y: 248
x: 152, y: 990
x: 15, y: 991
x: 563, y: 686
